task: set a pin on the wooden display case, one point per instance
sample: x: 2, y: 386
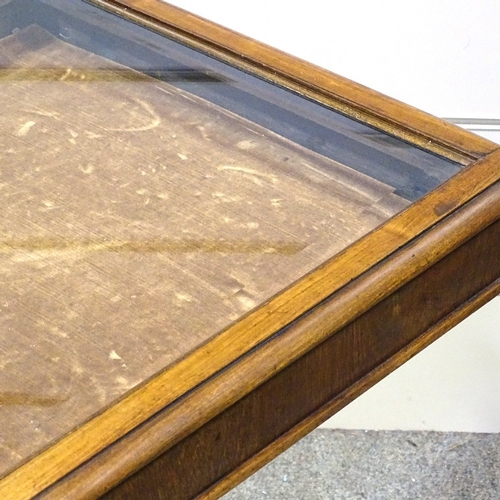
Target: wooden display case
x: 209, y: 247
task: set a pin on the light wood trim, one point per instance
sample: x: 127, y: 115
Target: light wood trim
x: 92, y: 437
x: 145, y: 401
x: 141, y: 404
x: 217, y: 394
x: 348, y: 97
x: 325, y: 412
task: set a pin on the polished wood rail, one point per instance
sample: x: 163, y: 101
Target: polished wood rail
x: 186, y: 293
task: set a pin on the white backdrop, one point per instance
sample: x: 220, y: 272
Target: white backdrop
x: 442, y: 56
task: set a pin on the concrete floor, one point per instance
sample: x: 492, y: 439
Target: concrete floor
x: 380, y: 465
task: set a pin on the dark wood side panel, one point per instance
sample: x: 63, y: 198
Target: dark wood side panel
x: 259, y: 419
x: 437, y: 210
x: 177, y: 422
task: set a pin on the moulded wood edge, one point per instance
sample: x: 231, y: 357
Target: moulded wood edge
x: 328, y: 410
x: 380, y: 332
x: 223, y: 390
x: 89, y: 439
x: 402, y: 235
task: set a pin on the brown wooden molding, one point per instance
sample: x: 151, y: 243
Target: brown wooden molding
x: 340, y: 93
x: 163, y: 390
x: 338, y: 349
x: 252, y: 370
x: 324, y: 412
x: 305, y: 352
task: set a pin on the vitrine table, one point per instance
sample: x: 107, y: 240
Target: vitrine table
x: 209, y: 247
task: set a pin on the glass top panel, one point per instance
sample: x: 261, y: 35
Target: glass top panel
x: 151, y: 196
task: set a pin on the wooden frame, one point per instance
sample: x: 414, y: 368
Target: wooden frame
x: 207, y: 422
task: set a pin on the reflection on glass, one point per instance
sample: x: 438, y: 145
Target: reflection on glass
x: 152, y: 196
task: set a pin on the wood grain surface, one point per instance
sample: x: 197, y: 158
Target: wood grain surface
x: 203, y: 464
x: 424, y: 267
x: 138, y: 221
x: 140, y: 267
